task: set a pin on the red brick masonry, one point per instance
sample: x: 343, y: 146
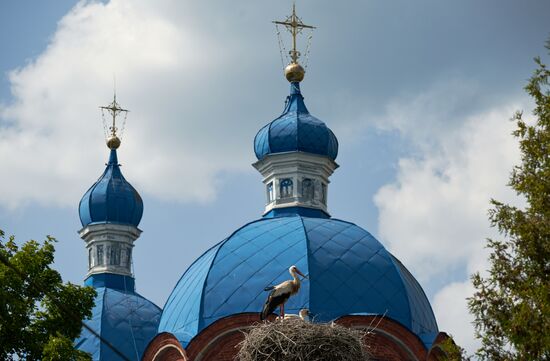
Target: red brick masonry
x: 388, y: 341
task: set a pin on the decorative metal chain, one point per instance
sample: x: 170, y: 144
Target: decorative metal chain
x: 308, y: 48
x: 121, y: 134
x: 282, y: 49
x: 105, y: 128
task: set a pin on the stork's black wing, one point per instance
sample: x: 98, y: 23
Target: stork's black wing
x: 272, y: 303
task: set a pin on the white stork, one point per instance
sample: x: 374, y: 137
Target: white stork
x: 281, y: 293
x: 302, y: 315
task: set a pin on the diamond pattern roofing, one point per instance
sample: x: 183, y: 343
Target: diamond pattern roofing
x: 350, y: 273
x: 125, y: 319
x: 296, y: 130
x: 111, y: 199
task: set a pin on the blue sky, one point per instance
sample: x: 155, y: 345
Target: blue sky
x: 418, y: 93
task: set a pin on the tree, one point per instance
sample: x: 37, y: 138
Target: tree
x: 40, y: 316
x: 511, y: 305
x: 452, y: 351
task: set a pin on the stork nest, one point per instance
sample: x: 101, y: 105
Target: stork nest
x: 296, y: 340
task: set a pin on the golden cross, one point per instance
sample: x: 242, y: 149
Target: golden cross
x: 115, y: 109
x: 295, y: 25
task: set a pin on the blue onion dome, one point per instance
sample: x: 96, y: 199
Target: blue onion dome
x: 296, y: 130
x: 123, y: 318
x: 350, y: 273
x: 111, y: 199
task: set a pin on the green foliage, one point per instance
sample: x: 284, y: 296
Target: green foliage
x: 61, y: 348
x: 511, y: 304
x: 40, y: 316
x: 452, y: 351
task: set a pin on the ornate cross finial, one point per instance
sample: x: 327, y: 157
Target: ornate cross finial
x: 114, y: 108
x: 294, y: 25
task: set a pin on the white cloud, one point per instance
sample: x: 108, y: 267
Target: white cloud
x: 167, y: 68
x: 451, y: 309
x: 434, y: 215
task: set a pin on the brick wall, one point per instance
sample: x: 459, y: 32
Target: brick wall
x: 389, y: 341
x: 225, y: 349
x: 386, y: 339
x: 164, y: 347
x: 220, y: 338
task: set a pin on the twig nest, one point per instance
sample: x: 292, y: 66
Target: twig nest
x: 296, y: 340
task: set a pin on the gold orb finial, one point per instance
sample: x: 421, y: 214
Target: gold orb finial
x: 294, y: 72
x: 113, y: 142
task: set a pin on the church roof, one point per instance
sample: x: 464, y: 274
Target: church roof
x: 111, y: 199
x: 296, y: 130
x: 350, y: 273
x: 122, y: 317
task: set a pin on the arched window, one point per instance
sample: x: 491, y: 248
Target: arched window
x: 308, y: 189
x: 286, y: 188
x: 99, y: 249
x: 323, y: 193
x: 114, y: 258
x: 270, y: 193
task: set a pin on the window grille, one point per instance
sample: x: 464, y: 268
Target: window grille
x: 286, y: 188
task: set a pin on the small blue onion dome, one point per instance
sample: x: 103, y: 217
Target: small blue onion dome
x: 111, y: 199
x: 350, y: 273
x: 296, y: 130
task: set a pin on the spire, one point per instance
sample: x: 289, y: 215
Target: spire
x: 296, y: 152
x: 294, y: 72
x: 113, y: 159
x: 110, y: 212
x: 112, y: 139
x: 295, y: 101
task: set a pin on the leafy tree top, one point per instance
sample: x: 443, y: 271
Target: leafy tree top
x: 511, y: 305
x: 40, y: 316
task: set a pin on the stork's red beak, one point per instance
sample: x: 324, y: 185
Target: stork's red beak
x: 300, y: 273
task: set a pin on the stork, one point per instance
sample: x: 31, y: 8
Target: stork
x: 281, y: 293
x: 302, y: 315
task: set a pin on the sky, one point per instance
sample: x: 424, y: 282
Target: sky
x: 420, y: 95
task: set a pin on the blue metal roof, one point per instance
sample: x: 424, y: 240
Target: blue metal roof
x: 296, y: 130
x: 111, y: 199
x: 111, y: 280
x: 302, y: 211
x: 125, y: 319
x: 350, y: 273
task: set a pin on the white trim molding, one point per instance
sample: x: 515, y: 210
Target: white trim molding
x: 299, y: 179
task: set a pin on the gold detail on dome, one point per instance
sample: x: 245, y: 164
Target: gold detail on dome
x: 294, y: 72
x: 113, y: 141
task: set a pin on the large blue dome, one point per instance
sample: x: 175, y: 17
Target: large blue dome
x: 111, y: 199
x: 350, y: 273
x: 120, y: 316
x: 296, y: 130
